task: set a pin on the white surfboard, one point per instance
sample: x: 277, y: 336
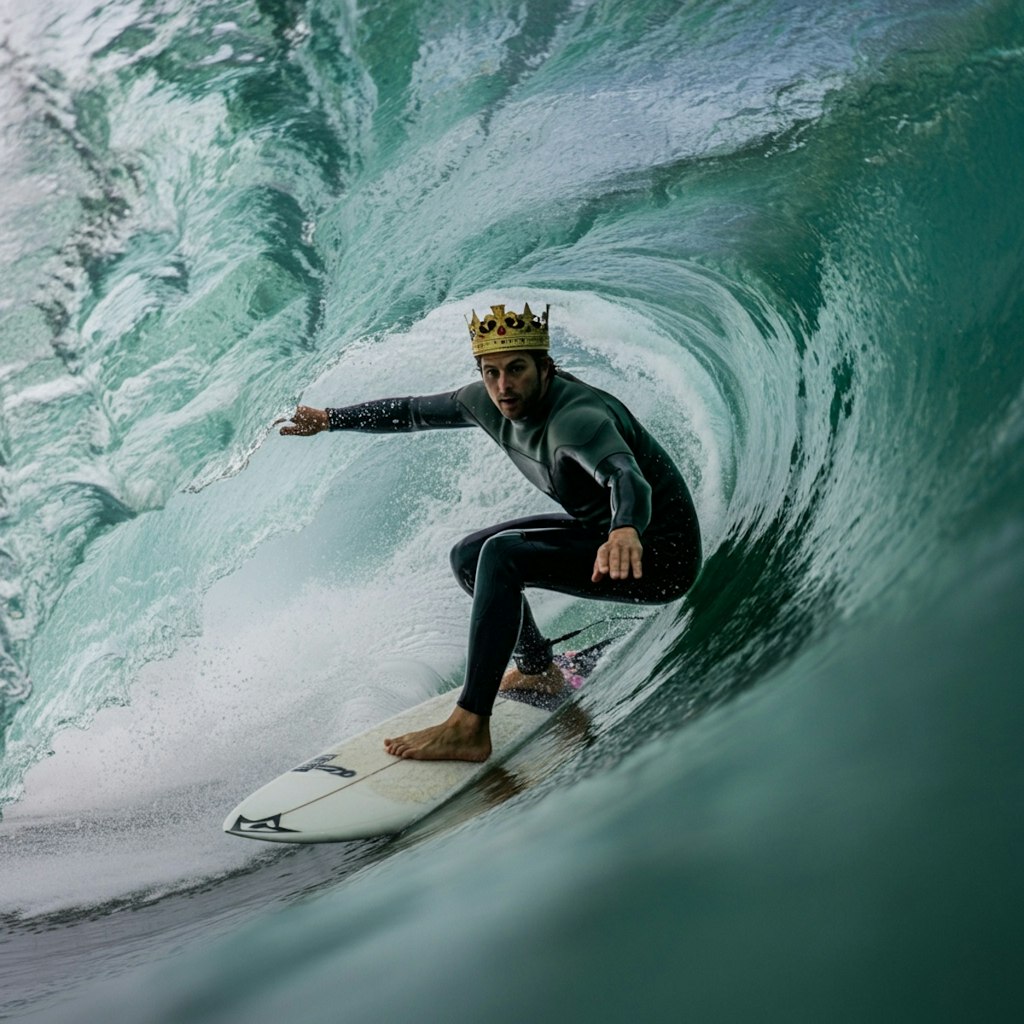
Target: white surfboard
x: 356, y: 790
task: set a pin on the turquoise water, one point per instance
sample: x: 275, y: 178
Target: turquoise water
x: 789, y: 235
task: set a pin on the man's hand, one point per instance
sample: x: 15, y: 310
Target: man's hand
x: 305, y: 421
x: 619, y: 555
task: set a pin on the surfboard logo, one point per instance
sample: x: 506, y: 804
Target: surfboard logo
x: 323, y: 764
x: 271, y: 824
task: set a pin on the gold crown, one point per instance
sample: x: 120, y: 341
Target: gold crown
x: 503, y: 331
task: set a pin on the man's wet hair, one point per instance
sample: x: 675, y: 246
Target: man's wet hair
x: 540, y: 358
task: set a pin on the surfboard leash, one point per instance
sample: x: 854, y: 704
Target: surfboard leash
x: 591, y: 625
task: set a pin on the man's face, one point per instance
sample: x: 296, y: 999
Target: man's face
x: 513, y: 382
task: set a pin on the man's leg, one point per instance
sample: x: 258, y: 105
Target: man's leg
x: 532, y: 652
x: 465, y: 735
x: 495, y: 568
x: 555, y: 557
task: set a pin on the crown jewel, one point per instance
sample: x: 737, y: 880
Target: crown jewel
x: 501, y: 331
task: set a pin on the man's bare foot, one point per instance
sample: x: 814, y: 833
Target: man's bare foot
x: 463, y: 737
x: 550, y: 680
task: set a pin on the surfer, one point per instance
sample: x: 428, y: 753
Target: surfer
x: 629, y: 531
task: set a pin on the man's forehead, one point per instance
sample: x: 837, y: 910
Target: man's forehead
x: 501, y: 359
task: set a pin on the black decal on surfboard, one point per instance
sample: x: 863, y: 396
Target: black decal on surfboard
x: 322, y: 764
x: 271, y: 824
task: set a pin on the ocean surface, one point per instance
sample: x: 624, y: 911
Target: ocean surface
x: 790, y: 235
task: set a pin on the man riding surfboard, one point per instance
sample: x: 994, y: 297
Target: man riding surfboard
x: 629, y: 531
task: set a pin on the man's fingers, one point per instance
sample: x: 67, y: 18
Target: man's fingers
x: 615, y: 565
x: 636, y: 562
x: 621, y: 560
x: 289, y: 421
x: 304, y: 421
x: 609, y: 562
x: 619, y: 557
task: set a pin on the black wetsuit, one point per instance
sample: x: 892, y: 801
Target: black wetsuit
x: 587, y: 451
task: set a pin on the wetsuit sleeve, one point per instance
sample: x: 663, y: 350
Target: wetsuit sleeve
x: 630, y: 492
x: 400, y: 415
x: 607, y: 458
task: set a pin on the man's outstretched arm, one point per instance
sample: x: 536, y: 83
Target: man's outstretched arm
x: 383, y: 416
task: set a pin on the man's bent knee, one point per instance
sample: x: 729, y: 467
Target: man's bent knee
x: 500, y: 554
x: 463, y: 558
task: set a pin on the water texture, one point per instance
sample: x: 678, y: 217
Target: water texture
x: 789, y: 235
